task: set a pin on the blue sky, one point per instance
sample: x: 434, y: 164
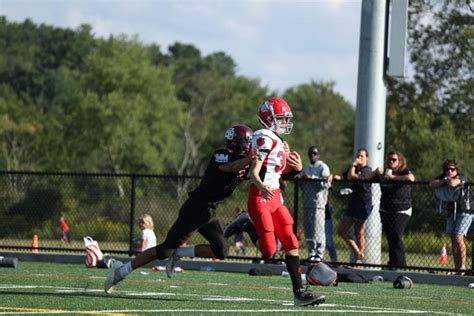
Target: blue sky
x: 281, y: 42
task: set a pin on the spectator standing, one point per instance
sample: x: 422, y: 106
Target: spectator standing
x: 64, y: 227
x: 147, y: 238
x: 359, y: 205
x: 395, y: 204
x: 314, y: 200
x: 452, y: 192
x: 328, y: 230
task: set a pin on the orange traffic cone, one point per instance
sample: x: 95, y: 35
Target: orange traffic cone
x: 35, y: 244
x: 443, y: 258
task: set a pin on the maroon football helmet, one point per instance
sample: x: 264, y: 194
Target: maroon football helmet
x: 239, y: 138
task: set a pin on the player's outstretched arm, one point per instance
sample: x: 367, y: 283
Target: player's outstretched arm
x: 255, y: 167
x: 241, y: 164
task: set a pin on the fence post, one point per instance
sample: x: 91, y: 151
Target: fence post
x: 472, y: 256
x: 295, y: 205
x: 132, y: 213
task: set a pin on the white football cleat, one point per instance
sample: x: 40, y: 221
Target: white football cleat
x: 171, y: 263
x: 113, y: 277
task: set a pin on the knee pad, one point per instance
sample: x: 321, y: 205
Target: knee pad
x: 267, y: 244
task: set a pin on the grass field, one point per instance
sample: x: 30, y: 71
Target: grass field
x: 47, y: 288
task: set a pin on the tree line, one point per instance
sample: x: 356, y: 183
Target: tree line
x: 72, y: 102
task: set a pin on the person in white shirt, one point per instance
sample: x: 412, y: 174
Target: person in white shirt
x: 315, y: 198
x: 147, y: 238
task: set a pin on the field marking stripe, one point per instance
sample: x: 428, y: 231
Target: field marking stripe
x: 27, y: 311
x: 126, y: 311
x: 368, y: 309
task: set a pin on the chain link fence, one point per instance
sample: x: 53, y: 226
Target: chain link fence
x: 107, y: 208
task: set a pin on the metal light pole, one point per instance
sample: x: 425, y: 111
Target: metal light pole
x: 370, y: 109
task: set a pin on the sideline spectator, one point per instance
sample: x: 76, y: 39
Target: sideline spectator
x: 395, y: 205
x: 359, y: 205
x: 65, y: 231
x: 314, y: 200
x: 147, y: 238
x: 328, y: 230
x: 452, y: 192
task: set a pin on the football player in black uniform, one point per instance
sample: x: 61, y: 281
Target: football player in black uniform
x: 225, y: 171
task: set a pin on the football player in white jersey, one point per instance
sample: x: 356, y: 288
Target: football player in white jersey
x: 265, y: 202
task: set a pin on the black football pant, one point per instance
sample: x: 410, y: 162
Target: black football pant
x: 196, y: 214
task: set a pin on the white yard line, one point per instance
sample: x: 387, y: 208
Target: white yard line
x: 223, y: 311
x: 326, y: 308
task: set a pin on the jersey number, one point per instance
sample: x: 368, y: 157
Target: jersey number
x: 281, y: 158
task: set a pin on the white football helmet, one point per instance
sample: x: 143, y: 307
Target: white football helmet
x: 275, y: 114
x: 321, y: 274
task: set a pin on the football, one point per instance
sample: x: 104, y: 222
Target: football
x: 288, y: 168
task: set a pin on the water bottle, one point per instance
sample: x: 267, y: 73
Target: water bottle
x: 345, y: 191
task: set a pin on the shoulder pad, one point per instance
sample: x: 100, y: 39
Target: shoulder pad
x: 222, y: 156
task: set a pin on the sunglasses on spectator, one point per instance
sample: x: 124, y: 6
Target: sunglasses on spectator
x: 314, y: 153
x: 392, y: 159
x: 450, y: 169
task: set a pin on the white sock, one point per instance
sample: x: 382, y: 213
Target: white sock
x: 125, y: 269
x: 187, y: 251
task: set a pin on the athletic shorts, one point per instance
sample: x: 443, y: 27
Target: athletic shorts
x: 460, y: 226
x: 358, y: 212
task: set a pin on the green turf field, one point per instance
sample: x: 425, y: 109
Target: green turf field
x: 47, y: 288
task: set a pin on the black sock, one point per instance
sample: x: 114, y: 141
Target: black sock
x: 293, y: 267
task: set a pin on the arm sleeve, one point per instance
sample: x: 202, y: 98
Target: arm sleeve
x: 325, y: 172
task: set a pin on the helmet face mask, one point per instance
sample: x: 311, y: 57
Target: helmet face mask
x: 239, y: 138
x: 275, y: 114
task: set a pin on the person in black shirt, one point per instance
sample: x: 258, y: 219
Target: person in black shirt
x: 359, y: 205
x: 225, y: 171
x: 395, y: 204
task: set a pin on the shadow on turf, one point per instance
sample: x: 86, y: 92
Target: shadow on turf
x: 102, y: 295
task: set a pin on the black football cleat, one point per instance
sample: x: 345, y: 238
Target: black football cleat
x: 304, y: 297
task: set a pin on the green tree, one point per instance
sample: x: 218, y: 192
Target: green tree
x: 19, y: 129
x: 213, y: 97
x: 322, y: 118
x: 439, y: 93
x: 129, y: 111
